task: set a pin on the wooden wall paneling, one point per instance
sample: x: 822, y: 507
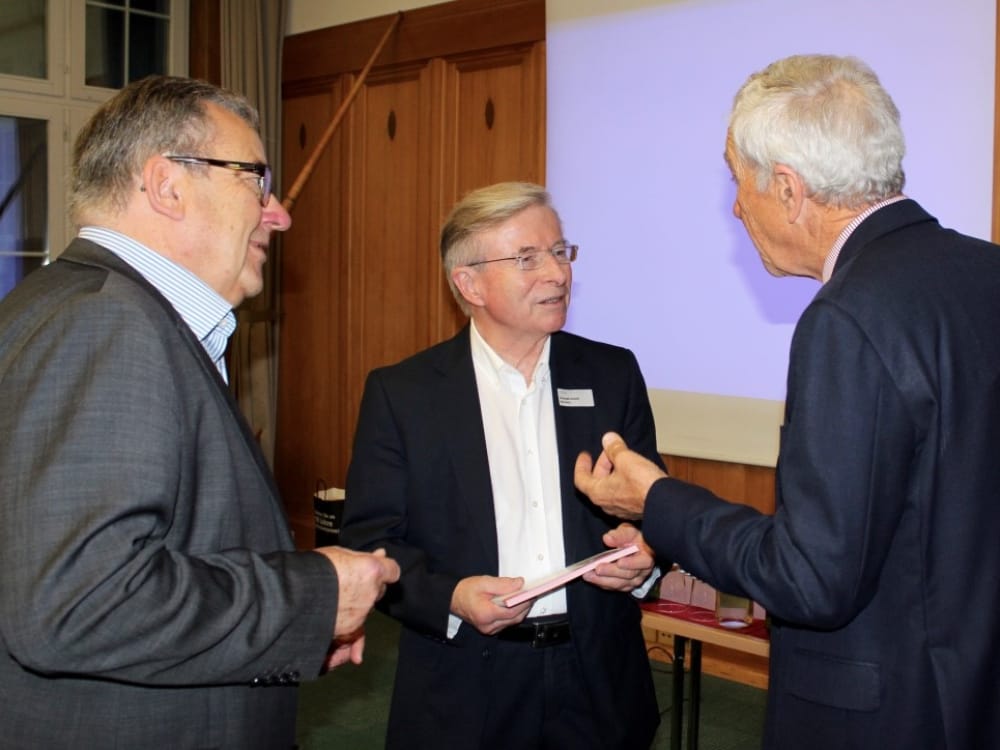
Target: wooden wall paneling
x: 724, y: 479
x: 737, y: 483
x: 498, y: 117
x: 392, y: 259
x: 760, y: 488
x: 494, y: 131
x: 445, y: 316
x: 677, y: 466
x: 311, y: 434
x: 205, y: 40
x: 434, y: 31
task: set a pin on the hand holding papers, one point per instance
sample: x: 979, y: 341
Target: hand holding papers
x: 534, y: 589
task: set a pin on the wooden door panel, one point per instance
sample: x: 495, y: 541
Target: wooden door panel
x: 494, y: 131
x: 497, y: 118
x: 388, y: 269
x: 392, y: 258
x: 310, y: 441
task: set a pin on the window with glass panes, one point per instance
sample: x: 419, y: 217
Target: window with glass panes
x: 59, y: 59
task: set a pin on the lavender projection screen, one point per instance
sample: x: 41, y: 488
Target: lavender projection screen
x: 638, y: 96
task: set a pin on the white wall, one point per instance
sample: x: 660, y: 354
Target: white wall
x: 638, y: 96
x: 306, y: 15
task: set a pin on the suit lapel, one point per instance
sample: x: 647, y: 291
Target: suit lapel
x: 89, y: 253
x: 458, y: 404
x: 574, y: 431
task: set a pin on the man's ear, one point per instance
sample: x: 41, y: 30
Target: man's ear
x: 790, y: 190
x: 163, y: 185
x: 465, y: 281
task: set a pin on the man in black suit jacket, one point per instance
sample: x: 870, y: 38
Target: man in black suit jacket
x: 880, y: 566
x: 462, y: 470
x: 150, y: 593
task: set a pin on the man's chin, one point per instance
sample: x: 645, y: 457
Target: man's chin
x: 251, y: 286
x: 558, y: 322
x: 773, y: 269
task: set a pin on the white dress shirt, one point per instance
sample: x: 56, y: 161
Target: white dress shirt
x: 523, y: 456
x: 519, y: 423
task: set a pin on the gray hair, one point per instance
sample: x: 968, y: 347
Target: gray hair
x: 830, y: 120
x: 481, y: 210
x: 155, y: 115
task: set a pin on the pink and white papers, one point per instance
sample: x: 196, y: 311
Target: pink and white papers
x: 544, y: 585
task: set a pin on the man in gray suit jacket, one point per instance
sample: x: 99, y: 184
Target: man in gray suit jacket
x: 881, y: 564
x: 462, y: 470
x: 150, y: 593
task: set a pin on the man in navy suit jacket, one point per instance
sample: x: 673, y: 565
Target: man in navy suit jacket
x: 881, y: 564
x: 462, y: 471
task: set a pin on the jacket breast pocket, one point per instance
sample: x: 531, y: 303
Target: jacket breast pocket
x: 839, y: 683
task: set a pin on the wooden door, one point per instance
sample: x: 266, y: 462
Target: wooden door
x: 455, y: 101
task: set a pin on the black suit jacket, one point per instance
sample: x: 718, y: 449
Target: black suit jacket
x: 881, y: 565
x: 419, y: 485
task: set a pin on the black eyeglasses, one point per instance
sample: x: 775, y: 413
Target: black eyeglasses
x: 263, y: 171
x: 531, y: 258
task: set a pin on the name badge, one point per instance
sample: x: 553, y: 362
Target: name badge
x: 575, y: 396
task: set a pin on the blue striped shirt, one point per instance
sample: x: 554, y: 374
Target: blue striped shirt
x: 207, y: 314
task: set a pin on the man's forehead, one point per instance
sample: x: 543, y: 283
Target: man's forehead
x: 231, y: 130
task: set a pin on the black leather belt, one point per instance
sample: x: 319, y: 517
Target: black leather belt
x: 539, y: 632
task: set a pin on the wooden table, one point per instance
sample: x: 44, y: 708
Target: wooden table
x: 686, y: 623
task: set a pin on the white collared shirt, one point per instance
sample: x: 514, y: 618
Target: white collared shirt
x: 520, y: 428
x: 207, y: 314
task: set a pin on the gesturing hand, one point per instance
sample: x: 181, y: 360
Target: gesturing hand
x: 620, y: 479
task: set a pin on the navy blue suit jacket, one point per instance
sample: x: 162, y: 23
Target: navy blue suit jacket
x: 881, y: 565
x: 419, y: 485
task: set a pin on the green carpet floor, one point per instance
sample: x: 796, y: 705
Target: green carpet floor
x: 347, y: 709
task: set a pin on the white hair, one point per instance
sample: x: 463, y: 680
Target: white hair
x: 830, y: 120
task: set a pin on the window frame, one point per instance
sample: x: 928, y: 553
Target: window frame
x: 52, y: 112
x: 65, y: 102
x: 56, y: 42
x: 177, y: 56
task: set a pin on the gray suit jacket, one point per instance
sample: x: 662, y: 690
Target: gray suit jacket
x: 150, y: 593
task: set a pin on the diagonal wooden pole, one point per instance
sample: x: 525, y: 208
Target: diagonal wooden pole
x: 310, y: 165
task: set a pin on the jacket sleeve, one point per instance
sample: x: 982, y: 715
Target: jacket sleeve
x: 125, y: 554
x: 382, y: 483
x: 846, y: 446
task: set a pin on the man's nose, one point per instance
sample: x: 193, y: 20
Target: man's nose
x: 275, y: 216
